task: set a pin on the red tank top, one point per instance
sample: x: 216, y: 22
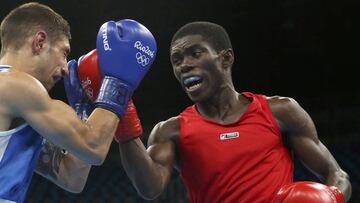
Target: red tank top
x: 241, y: 162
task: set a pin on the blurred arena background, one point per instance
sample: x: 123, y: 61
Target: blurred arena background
x: 308, y: 50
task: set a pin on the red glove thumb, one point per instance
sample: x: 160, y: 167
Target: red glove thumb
x: 129, y: 126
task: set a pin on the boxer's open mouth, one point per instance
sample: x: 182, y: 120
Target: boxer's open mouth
x: 192, y: 83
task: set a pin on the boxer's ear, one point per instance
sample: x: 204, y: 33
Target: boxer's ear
x: 38, y: 42
x: 227, y: 57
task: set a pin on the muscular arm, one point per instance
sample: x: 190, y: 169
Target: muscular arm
x: 301, y: 134
x: 150, y: 170
x: 57, y: 122
x: 62, y: 168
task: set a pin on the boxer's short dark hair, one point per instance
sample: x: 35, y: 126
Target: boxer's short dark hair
x: 27, y: 19
x: 213, y: 33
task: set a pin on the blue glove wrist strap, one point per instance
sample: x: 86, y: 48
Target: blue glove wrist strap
x: 114, y: 95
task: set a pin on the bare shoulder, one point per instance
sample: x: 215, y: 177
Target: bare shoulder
x: 19, y: 89
x: 288, y: 113
x: 13, y: 81
x: 164, y: 131
x: 282, y: 105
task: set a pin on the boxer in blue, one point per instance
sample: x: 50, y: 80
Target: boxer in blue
x: 34, y: 48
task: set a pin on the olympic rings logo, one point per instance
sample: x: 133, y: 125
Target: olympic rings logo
x: 142, y: 59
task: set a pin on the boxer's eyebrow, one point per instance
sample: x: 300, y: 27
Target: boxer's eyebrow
x: 195, y: 47
x: 183, y: 49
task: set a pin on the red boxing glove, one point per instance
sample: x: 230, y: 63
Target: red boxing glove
x: 129, y: 126
x: 90, y: 76
x: 309, y: 192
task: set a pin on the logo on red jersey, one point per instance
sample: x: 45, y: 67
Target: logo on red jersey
x: 232, y: 135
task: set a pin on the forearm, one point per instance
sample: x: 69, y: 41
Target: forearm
x: 147, y: 176
x: 62, y: 168
x: 340, y: 179
x: 102, y: 124
x: 73, y: 174
x: 319, y: 160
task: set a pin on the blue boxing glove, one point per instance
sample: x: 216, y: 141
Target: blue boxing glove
x: 76, y: 96
x: 126, y: 50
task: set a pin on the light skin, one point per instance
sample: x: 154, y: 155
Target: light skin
x: 37, y: 66
x: 62, y: 168
x: 216, y: 99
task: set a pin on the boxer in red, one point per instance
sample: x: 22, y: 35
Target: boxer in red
x: 229, y: 146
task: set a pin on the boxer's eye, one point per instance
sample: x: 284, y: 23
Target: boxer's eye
x: 176, y: 59
x: 196, y: 53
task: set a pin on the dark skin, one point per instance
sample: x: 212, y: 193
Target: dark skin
x: 216, y: 100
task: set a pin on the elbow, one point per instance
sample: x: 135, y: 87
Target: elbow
x: 97, y: 159
x: 149, y: 194
x: 75, y: 190
x: 346, y: 184
x: 341, y: 180
x: 92, y: 157
x: 75, y: 187
x: 341, y: 176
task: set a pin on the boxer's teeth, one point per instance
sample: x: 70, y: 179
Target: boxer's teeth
x: 193, y: 87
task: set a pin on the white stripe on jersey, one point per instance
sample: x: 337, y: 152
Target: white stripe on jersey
x: 6, y: 201
x: 5, y: 137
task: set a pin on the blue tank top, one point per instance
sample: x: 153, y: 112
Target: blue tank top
x: 19, y: 152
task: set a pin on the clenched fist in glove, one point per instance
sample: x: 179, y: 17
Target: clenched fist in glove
x: 309, y: 192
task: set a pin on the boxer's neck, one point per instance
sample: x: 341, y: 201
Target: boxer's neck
x: 224, y: 108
